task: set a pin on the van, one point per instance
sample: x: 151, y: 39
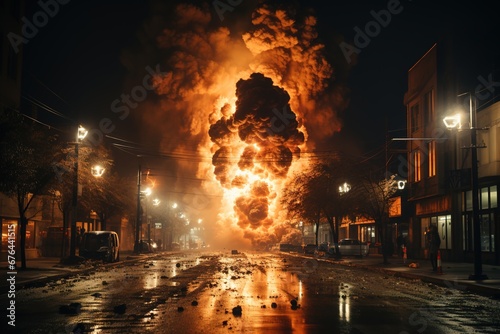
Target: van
x: 100, y: 245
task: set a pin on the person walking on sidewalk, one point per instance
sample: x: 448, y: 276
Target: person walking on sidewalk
x: 433, y: 241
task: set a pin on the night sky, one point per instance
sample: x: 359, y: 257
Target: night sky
x: 90, y: 52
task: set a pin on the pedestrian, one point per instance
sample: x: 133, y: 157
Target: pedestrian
x: 433, y: 241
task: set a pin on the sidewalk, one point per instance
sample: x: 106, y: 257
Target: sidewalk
x: 41, y: 270
x: 454, y: 275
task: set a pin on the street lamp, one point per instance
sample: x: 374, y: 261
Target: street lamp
x: 344, y: 188
x: 80, y: 135
x: 454, y: 122
x: 146, y: 193
x: 138, y: 218
x: 156, y: 202
x: 97, y: 171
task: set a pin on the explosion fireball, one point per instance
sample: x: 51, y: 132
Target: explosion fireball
x: 265, y: 151
x: 267, y: 94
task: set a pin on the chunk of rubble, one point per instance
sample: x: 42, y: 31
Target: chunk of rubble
x: 73, y: 308
x: 237, y: 311
x: 120, y: 309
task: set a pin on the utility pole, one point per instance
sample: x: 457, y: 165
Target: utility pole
x: 138, y: 219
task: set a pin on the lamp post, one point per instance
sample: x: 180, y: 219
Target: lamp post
x: 453, y: 122
x: 138, y: 218
x: 146, y: 193
x: 156, y: 203
x: 80, y: 135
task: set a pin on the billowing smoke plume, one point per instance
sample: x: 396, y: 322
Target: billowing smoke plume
x: 262, y: 150
x: 247, y: 143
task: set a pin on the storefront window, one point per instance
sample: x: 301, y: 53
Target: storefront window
x: 493, y: 197
x: 487, y: 233
x: 444, y: 229
x: 484, y: 198
x: 488, y: 201
x: 5, y: 232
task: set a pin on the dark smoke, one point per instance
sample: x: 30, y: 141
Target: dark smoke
x: 272, y: 140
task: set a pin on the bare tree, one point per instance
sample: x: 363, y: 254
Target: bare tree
x: 314, y: 194
x: 302, y: 200
x: 373, y: 197
x: 26, y: 167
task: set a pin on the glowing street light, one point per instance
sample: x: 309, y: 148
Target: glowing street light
x: 344, y: 188
x: 147, y: 191
x: 454, y: 122
x: 80, y: 135
x: 97, y: 171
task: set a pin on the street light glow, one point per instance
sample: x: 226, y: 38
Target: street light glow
x: 453, y: 121
x: 147, y: 191
x: 344, y: 188
x: 82, y: 133
x: 98, y: 171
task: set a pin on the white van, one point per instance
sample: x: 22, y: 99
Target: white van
x: 100, y: 245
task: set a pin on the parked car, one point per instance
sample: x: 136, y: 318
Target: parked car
x: 353, y: 247
x: 100, y: 245
x: 148, y: 246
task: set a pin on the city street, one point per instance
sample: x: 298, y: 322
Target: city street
x: 221, y: 292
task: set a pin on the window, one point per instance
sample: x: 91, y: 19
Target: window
x: 488, y: 198
x: 493, y: 197
x: 428, y: 107
x: 488, y: 202
x: 432, y: 159
x: 487, y: 233
x: 416, y: 163
x: 415, y: 117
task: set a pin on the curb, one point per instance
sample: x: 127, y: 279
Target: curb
x: 41, y: 281
x: 485, y: 291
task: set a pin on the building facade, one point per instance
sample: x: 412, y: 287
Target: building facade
x: 439, y: 161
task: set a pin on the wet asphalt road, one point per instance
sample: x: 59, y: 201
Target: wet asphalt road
x: 221, y: 292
